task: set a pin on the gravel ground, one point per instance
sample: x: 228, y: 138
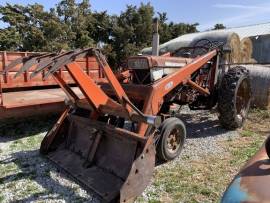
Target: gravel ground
x: 203, y: 134
x: 28, y: 177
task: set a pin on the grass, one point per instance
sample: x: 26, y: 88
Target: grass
x: 26, y: 143
x: 1, y: 198
x: 191, y: 184
x: 201, y: 181
x: 187, y: 180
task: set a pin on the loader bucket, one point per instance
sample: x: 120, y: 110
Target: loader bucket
x: 114, y: 163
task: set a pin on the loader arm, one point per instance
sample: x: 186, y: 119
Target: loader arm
x: 119, y: 91
x: 104, y: 104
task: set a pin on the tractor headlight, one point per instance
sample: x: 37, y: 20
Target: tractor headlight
x: 138, y: 63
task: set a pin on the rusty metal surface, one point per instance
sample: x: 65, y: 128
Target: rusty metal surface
x: 120, y: 167
x: 162, y: 61
x: 33, y: 102
x: 33, y: 110
x: 26, y: 62
x: 35, y: 97
x: 29, y: 62
x: 252, y: 182
x: 25, y: 101
x: 94, y: 178
x: 140, y: 174
x: 52, y: 133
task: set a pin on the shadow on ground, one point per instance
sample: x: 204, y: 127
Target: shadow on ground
x: 201, y: 124
x: 15, y: 129
x: 204, y: 125
x: 34, y: 167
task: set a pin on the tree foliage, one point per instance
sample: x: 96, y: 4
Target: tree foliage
x: 72, y: 24
x: 219, y: 26
x: 172, y: 30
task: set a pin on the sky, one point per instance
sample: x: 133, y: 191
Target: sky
x: 232, y: 13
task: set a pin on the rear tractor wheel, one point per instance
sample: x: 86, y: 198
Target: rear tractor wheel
x: 234, y: 98
x: 172, y: 138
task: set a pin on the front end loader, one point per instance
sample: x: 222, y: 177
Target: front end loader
x: 109, y: 140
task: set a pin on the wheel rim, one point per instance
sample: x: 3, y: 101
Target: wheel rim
x: 174, y: 141
x: 243, y: 99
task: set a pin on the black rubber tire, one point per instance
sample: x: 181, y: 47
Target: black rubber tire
x: 167, y: 127
x: 267, y: 146
x: 230, y: 116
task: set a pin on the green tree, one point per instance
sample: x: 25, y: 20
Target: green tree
x: 76, y: 17
x: 10, y: 39
x: 100, y: 27
x: 131, y: 31
x: 219, y: 26
x: 32, y: 28
x: 63, y: 27
x: 172, y: 30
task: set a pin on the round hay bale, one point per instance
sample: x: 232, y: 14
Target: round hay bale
x: 172, y: 47
x: 260, y: 85
x: 246, y: 48
x: 229, y: 39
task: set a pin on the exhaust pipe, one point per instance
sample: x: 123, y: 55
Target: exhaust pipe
x: 155, y: 42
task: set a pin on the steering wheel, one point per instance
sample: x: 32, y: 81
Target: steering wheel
x: 188, y: 51
x: 206, y: 43
x: 200, y: 47
x: 203, y: 42
x: 209, y: 44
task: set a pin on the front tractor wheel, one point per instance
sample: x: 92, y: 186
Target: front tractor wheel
x: 172, y: 138
x: 234, y: 98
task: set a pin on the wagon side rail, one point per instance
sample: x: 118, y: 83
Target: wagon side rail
x: 15, y: 60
